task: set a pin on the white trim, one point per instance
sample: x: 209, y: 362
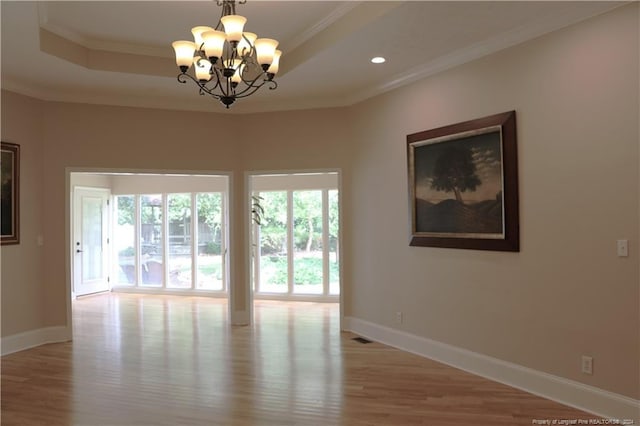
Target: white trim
x: 31, y: 339
x: 565, y: 391
x: 97, y: 44
x: 315, y: 29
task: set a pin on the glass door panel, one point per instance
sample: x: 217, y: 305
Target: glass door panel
x: 92, y: 238
x: 210, y: 261
x: 151, y: 249
x: 307, y: 247
x: 273, y: 262
x: 124, y: 239
x: 179, y: 257
x: 90, y: 230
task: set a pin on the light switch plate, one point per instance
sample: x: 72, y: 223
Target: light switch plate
x: 623, y: 248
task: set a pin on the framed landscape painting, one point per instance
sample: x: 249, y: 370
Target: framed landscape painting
x: 463, y: 185
x: 9, y: 194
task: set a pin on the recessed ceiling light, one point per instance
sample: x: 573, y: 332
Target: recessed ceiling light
x: 378, y: 60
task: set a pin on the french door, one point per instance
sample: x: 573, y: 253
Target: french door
x: 90, y: 240
x: 296, y: 245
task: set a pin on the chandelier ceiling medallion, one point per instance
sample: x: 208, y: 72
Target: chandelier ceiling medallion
x: 228, y: 62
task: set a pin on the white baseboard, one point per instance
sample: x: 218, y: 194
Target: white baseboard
x: 30, y: 339
x: 599, y: 402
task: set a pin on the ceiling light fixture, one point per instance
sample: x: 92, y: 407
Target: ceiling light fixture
x: 378, y: 60
x: 228, y: 65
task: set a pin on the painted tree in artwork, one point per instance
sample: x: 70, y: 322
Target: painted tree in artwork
x: 455, y: 171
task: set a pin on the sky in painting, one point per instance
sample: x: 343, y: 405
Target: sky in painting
x: 486, y: 154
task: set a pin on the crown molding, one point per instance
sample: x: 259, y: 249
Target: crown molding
x: 335, y: 15
x: 98, y: 44
x: 160, y: 102
x: 476, y: 51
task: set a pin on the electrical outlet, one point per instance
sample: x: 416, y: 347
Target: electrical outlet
x: 587, y: 364
x: 399, y: 317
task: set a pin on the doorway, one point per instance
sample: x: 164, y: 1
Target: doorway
x: 149, y: 233
x: 90, y: 240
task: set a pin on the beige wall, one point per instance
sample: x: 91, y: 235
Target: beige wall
x: 565, y: 294
x: 22, y: 264
x: 82, y: 137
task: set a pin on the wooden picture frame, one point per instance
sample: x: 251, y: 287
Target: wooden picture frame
x: 10, y: 193
x: 463, y: 185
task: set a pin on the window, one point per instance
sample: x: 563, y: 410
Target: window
x: 124, y: 238
x: 151, y: 247
x: 180, y: 256
x: 192, y: 257
x: 296, y: 245
x: 211, y: 244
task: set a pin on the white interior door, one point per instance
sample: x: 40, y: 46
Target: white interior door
x: 90, y: 240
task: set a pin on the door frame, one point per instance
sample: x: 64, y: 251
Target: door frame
x: 248, y: 235
x: 68, y: 236
x: 106, y: 254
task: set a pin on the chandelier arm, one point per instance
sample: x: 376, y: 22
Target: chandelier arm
x: 248, y: 90
x: 251, y: 84
x: 273, y: 85
x: 202, y: 88
x: 218, y: 85
x: 251, y: 90
x: 182, y: 78
x: 216, y: 79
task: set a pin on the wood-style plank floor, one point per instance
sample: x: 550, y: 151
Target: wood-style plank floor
x: 163, y: 360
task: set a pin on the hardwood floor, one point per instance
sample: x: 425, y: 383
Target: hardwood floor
x: 162, y: 360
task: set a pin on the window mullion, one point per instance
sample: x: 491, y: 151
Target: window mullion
x: 137, y: 241
x: 194, y: 241
x: 165, y: 238
x: 325, y: 242
x: 290, y: 266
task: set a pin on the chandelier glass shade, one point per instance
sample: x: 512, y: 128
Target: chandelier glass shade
x: 228, y: 63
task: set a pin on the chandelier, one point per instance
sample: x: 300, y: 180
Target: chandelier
x: 228, y: 64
